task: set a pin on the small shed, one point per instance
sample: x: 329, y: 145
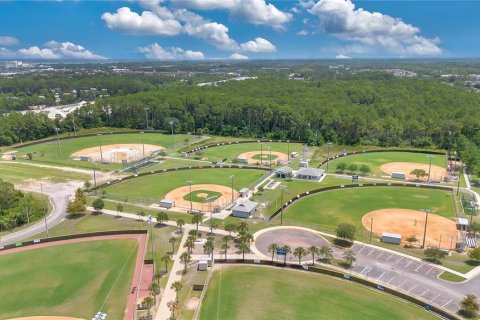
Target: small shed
x: 207, y: 259
x: 245, y: 192
x: 309, y: 174
x: 293, y: 155
x: 398, y: 175
x: 244, y: 209
x: 392, y: 238
x: 241, y: 160
x: 184, y: 154
x: 303, y: 164
x: 167, y: 204
x: 202, y: 265
x: 463, y: 224
x: 283, y: 172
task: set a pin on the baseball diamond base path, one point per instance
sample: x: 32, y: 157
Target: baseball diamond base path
x: 441, y: 232
x: 137, y: 274
x: 436, y: 173
x: 223, y: 201
x: 281, y: 157
x: 117, y: 153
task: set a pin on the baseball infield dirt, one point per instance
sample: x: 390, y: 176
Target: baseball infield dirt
x: 222, y: 201
x: 436, y: 173
x: 117, y: 153
x: 440, y: 231
x: 281, y: 157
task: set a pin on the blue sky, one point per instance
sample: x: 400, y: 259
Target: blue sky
x: 240, y: 29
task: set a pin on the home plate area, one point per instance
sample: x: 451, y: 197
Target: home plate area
x: 404, y: 274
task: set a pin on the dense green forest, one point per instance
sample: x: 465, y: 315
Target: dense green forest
x: 17, y: 208
x: 384, y: 111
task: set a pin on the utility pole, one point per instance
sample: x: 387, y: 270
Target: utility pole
x: 94, y: 178
x: 143, y: 144
x: 190, y: 185
x: 146, y: 118
x: 430, y: 156
x: 371, y: 230
x: 99, y: 135
x: 73, y: 120
x: 58, y: 140
x: 427, y: 211
x: 270, y: 148
x: 231, y: 177
x: 328, y: 153
x: 173, y: 144
x: 150, y: 222
x: 44, y: 209
x: 283, y: 189
x: 288, y: 149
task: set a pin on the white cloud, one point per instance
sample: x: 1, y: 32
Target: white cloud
x: 155, y: 51
x: 8, y: 41
x: 256, y: 12
x: 341, y: 19
x: 148, y: 23
x: 238, y: 56
x: 6, y: 53
x: 258, y: 45
x: 58, y: 50
x: 342, y: 56
x: 303, y: 33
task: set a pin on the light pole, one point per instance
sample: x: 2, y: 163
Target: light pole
x: 261, y: 152
x: 143, y: 144
x: 73, y: 120
x: 270, y: 160
x: 209, y: 200
x: 171, y: 123
x: 149, y: 221
x: 328, y: 153
x: 371, y: 230
x: 427, y: 211
x: 283, y: 188
x: 231, y: 177
x: 44, y: 209
x: 99, y: 135
x: 146, y: 118
x: 430, y: 156
x: 58, y: 140
x: 288, y: 149
x: 94, y: 178
x: 190, y: 185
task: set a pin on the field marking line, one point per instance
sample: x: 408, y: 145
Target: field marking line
x: 438, y: 295
x: 429, y: 271
x: 119, y: 274
x: 447, y: 302
x: 381, y: 276
x: 219, y: 289
x: 414, y: 286
x: 391, y: 279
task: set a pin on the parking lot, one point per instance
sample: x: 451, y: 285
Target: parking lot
x: 414, y: 277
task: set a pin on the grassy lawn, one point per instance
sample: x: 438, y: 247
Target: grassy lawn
x: 210, y: 196
x: 233, y: 150
x: 17, y: 173
x: 51, y: 155
x: 334, y: 207
x: 155, y: 186
x: 174, y: 163
x: 68, y: 280
x: 375, y: 160
x: 265, y: 293
x: 451, y: 277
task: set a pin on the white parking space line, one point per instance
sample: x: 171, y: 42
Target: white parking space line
x: 381, y: 252
x: 370, y: 252
x: 391, y: 279
x: 421, y: 265
x: 389, y: 257
x: 429, y: 271
x: 361, y: 250
x: 412, y: 288
x: 401, y: 258
x: 409, y: 263
x: 426, y: 291
x: 438, y: 295
x: 401, y: 284
x: 447, y: 302
x: 367, y: 268
x: 381, y: 275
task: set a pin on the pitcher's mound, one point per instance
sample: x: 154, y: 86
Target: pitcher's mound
x: 407, y: 222
x: 436, y: 173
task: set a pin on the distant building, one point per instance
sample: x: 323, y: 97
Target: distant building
x: 309, y: 174
x: 244, y: 209
x: 244, y: 192
x: 283, y: 172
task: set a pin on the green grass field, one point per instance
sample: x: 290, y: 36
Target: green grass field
x: 17, y: 173
x: 233, y: 150
x: 328, y: 209
x: 51, y: 155
x: 266, y: 293
x: 375, y: 160
x: 212, y: 195
x: 68, y: 280
x: 155, y: 186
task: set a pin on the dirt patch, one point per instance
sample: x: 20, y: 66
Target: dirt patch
x: 440, y: 230
x: 202, y: 195
x: 46, y: 318
x: 193, y: 303
x: 280, y: 157
x: 223, y: 201
x: 436, y: 173
x: 117, y: 153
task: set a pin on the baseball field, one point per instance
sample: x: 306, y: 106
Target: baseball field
x: 74, y: 279
x: 267, y: 293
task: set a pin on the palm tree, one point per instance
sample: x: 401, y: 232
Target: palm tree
x: 247, y: 237
x: 208, y: 247
x: 154, y: 289
x: 299, y: 253
x: 180, y: 224
x: 286, y: 250
x: 314, y: 250
x: 148, y: 303
x: 185, y: 258
x: 189, y: 244
x: 242, y: 227
x: 196, y: 219
x: 141, y: 214
x: 177, y: 286
x: 272, y: 248
x: 157, y: 277
x: 173, y: 306
x: 172, y: 240
x: 167, y: 259
x: 225, y: 247
x: 326, y: 253
x: 244, y: 247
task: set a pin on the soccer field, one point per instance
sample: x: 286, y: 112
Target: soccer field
x: 157, y: 185
x: 375, y: 159
x: 73, y: 280
x: 349, y: 205
x: 266, y: 293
